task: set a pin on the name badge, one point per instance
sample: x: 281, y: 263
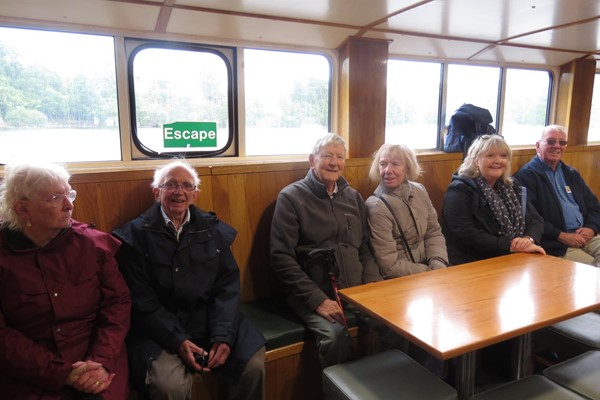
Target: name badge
x: 568, y: 189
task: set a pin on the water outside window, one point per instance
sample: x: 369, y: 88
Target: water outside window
x: 525, y: 105
x: 58, y: 97
x: 287, y: 97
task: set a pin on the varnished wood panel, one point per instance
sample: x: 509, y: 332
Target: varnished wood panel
x: 363, y: 90
x: 244, y: 196
x: 453, y: 311
x: 576, y: 83
x: 436, y: 178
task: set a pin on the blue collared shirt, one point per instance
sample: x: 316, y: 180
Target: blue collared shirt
x: 570, y: 209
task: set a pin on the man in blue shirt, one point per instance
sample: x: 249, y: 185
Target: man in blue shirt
x: 570, y: 210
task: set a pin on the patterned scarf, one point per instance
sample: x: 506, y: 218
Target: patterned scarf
x: 505, y: 207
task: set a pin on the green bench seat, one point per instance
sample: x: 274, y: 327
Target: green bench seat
x: 278, y: 323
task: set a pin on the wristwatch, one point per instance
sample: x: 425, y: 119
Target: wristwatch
x: 530, y: 239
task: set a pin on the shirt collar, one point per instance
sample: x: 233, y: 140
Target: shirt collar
x: 545, y: 167
x: 170, y: 223
x: 335, y: 190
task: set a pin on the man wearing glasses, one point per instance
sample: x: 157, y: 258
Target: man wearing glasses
x: 570, y: 210
x: 185, y: 289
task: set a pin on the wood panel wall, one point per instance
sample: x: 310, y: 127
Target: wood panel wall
x: 574, y: 103
x: 363, y: 94
x: 244, y: 196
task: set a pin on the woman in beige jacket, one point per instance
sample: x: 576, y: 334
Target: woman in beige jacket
x: 405, y: 235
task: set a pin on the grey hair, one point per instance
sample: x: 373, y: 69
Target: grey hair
x: 480, y: 146
x: 161, y: 173
x: 396, y: 151
x: 328, y: 139
x: 20, y: 182
x: 550, y: 128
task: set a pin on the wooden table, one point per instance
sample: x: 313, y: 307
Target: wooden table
x: 455, y: 311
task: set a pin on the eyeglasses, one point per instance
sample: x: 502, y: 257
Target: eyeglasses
x: 172, y: 186
x: 486, y: 137
x: 59, y: 199
x: 552, y: 142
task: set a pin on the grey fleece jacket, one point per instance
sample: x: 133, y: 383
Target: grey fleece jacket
x: 306, y: 218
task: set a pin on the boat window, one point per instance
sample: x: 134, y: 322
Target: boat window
x: 58, y: 97
x: 287, y: 101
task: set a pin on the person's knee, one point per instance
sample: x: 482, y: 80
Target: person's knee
x: 336, y: 336
x: 167, y: 378
x: 579, y: 255
x: 170, y: 389
x: 256, y: 363
x: 251, y: 385
x: 335, y: 347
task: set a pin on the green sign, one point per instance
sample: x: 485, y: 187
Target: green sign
x: 190, y: 134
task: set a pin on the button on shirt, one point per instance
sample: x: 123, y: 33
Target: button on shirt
x: 570, y: 209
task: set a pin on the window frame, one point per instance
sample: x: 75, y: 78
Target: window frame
x: 498, y: 114
x: 331, y: 87
x: 231, y: 149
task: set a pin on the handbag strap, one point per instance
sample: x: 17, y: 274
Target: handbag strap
x: 406, y: 246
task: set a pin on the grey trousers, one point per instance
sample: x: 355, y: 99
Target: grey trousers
x: 168, y: 378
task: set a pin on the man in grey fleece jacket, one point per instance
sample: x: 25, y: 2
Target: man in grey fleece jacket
x: 322, y: 211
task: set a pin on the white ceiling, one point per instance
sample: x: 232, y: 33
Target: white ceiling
x: 548, y: 32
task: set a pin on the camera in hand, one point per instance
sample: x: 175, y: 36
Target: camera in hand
x: 201, y: 360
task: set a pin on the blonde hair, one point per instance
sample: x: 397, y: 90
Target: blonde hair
x: 20, y: 182
x: 396, y: 151
x: 480, y: 146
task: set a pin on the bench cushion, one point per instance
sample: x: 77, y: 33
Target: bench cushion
x: 387, y: 375
x: 531, y: 387
x: 278, y: 323
x: 581, y: 374
x: 571, y: 337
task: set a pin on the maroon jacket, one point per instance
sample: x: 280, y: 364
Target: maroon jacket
x: 62, y: 303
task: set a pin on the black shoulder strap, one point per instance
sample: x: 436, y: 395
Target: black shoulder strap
x: 406, y: 246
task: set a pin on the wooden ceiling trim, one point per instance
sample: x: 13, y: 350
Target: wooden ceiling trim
x: 163, y: 16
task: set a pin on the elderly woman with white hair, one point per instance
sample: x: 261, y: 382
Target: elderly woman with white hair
x: 405, y: 234
x: 486, y: 212
x: 64, y: 306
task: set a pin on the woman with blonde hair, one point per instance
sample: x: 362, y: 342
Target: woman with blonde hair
x: 405, y: 235
x: 486, y: 212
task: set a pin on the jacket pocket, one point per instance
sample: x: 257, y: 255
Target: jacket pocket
x: 354, y: 230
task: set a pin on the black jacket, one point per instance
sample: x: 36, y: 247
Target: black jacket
x: 186, y: 289
x: 472, y: 233
x: 545, y: 200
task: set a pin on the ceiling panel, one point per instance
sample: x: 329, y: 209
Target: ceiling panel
x: 584, y: 37
x: 408, y: 45
x: 455, y: 29
x: 352, y: 12
x: 256, y: 29
x: 491, y: 20
x: 517, y: 55
x: 84, y: 12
